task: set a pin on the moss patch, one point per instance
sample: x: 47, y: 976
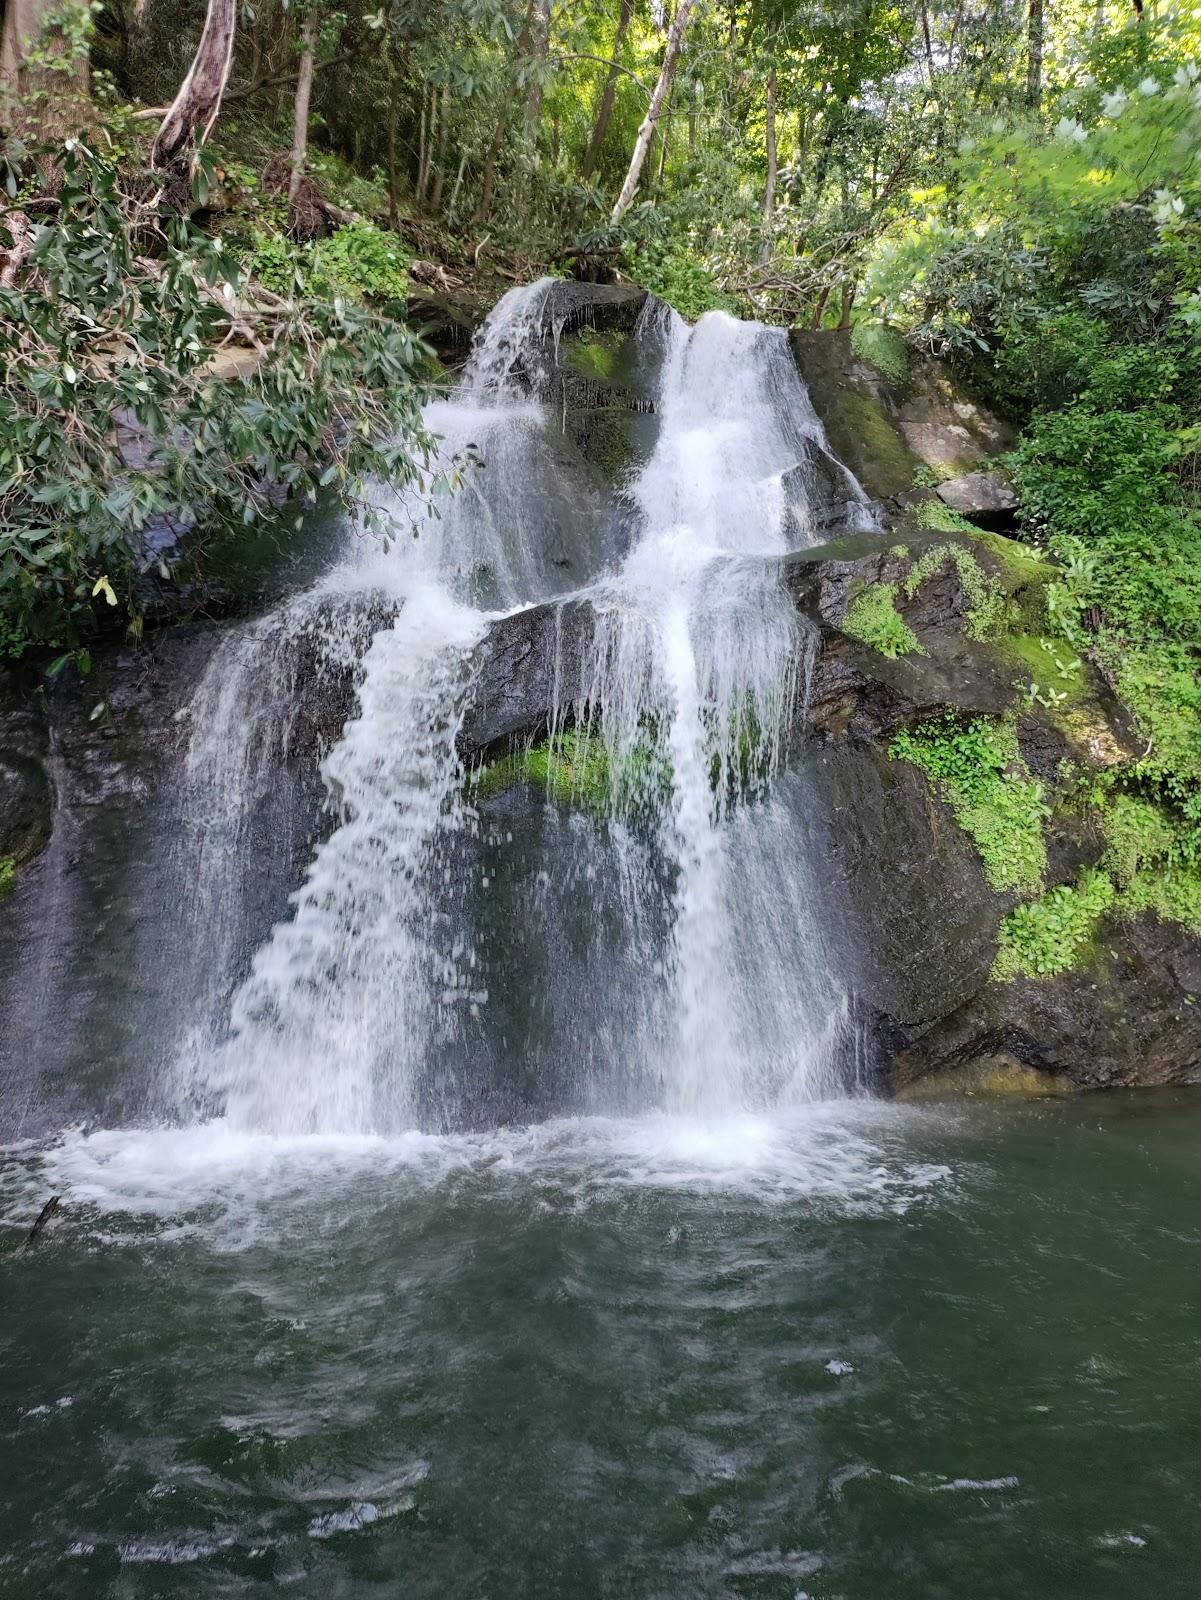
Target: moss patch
x: 883, y: 347
x: 870, y: 444
x: 934, y: 514
x: 573, y: 767
x: 979, y: 772
x: 576, y: 767
x: 873, y: 617
x: 985, y: 597
x: 592, y: 354
x: 8, y: 876
x: 995, y: 1076
x: 1056, y: 674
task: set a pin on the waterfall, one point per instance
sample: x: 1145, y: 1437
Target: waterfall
x: 692, y: 682
x: 703, y: 646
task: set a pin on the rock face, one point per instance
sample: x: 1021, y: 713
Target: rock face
x: 885, y: 429
x: 925, y: 919
x: 79, y: 759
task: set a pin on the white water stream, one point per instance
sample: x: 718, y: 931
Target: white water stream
x: 695, y: 674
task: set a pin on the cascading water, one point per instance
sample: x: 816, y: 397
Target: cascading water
x: 692, y: 682
x: 702, y: 645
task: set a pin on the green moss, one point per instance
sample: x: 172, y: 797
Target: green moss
x: 874, y: 618
x: 1056, y: 672
x: 930, y: 475
x: 868, y: 442
x: 935, y: 514
x: 592, y: 354
x: 573, y: 767
x: 883, y: 346
x: 985, y: 597
x: 8, y: 876
x: 995, y: 1077
x: 1051, y: 935
x: 1021, y: 565
x: 977, y: 769
x: 576, y: 767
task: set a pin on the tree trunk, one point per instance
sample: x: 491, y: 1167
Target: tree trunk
x: 1034, y: 55
x: 458, y: 184
x: 664, y: 147
x: 40, y: 103
x: 484, y: 210
x: 195, y: 107
x: 440, y: 159
x: 604, y: 110
x: 674, y: 39
x: 848, y: 305
x: 488, y: 180
x: 425, y: 139
x: 533, y: 102
x: 927, y: 41
x: 393, y: 193
x: 769, y: 187
x: 300, y: 115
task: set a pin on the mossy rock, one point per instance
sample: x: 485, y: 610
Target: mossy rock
x: 997, y: 1077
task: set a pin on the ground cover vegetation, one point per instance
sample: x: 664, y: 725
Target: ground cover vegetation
x: 221, y: 222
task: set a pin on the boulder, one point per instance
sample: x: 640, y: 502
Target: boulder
x: 985, y: 498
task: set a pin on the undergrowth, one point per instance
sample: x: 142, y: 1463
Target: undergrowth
x: 873, y: 617
x: 978, y: 770
x: 1152, y: 863
x: 1049, y: 935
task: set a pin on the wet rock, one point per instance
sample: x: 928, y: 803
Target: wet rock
x: 26, y: 792
x: 1132, y: 1018
x: 532, y: 664
x: 832, y: 499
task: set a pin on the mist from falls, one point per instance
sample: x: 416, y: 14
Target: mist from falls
x: 372, y: 1008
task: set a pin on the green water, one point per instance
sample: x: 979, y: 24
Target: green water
x: 874, y: 1354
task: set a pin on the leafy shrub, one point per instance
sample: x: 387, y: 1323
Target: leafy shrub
x: 1043, y: 358
x: 677, y: 276
x: 1049, y: 935
x: 874, y: 618
x: 1137, y: 833
x: 1173, y: 893
x: 96, y: 330
x: 359, y: 261
x: 977, y: 769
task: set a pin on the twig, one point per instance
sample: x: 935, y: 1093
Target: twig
x: 44, y: 1216
x: 22, y: 234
